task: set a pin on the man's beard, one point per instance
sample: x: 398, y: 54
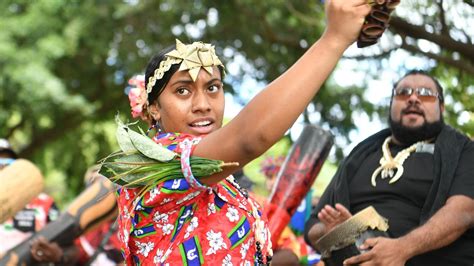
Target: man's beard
x: 410, y: 135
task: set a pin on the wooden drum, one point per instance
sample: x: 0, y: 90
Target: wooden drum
x: 20, y: 183
x: 344, y: 240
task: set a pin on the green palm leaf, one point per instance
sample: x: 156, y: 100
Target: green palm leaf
x: 144, y: 163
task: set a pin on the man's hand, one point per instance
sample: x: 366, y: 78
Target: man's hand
x: 331, y: 217
x: 328, y: 217
x: 448, y: 223
x: 44, y: 251
x: 380, y: 251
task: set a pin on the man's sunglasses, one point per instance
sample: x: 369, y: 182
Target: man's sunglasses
x: 424, y: 94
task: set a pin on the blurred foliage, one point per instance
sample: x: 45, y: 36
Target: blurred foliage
x: 64, y: 65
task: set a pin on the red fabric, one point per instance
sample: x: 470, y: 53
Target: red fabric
x: 94, y: 238
x: 175, y: 224
x: 278, y: 221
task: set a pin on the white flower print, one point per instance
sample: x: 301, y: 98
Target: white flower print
x: 232, y: 214
x: 125, y: 235
x: 227, y: 261
x: 167, y: 229
x: 139, y: 208
x: 211, y: 208
x: 127, y: 196
x: 160, y: 217
x: 144, y: 248
x: 245, y: 263
x: 188, y: 197
x: 158, y: 256
x: 216, y: 242
x: 153, y: 193
x: 192, y: 225
x: 231, y: 180
x: 167, y: 253
x: 222, y: 197
x: 126, y: 213
x: 165, y: 200
x: 137, y: 203
x: 244, y: 248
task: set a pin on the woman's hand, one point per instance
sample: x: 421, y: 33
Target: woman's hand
x: 345, y: 19
x: 266, y: 118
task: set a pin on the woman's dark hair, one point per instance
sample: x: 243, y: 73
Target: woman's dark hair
x: 153, y: 64
x: 150, y: 70
x: 424, y: 73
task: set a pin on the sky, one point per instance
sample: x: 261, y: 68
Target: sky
x: 351, y: 72
x: 344, y: 75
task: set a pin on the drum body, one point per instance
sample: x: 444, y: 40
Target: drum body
x: 20, y: 182
x: 337, y: 257
x: 296, y: 176
x: 345, y: 239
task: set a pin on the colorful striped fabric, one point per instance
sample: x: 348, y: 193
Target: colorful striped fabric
x: 176, y: 223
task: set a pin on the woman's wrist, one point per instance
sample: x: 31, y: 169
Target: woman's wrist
x: 335, y: 42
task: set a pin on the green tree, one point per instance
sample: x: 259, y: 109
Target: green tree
x: 64, y: 64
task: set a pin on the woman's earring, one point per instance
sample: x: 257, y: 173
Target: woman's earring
x: 156, y: 126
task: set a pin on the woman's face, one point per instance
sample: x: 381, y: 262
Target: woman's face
x: 195, y: 108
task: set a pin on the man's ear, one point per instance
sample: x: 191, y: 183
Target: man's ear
x: 155, y: 112
x: 441, y: 108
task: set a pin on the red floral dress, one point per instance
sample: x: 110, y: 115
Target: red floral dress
x: 177, y: 223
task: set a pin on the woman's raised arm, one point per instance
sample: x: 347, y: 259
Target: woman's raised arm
x: 268, y: 116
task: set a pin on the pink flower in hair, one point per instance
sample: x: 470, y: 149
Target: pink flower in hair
x: 137, y: 95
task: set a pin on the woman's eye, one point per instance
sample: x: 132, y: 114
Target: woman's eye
x: 182, y: 91
x: 214, y: 88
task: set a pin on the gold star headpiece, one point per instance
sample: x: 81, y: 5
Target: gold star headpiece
x: 192, y: 57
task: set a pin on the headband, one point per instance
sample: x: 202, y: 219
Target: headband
x: 191, y: 57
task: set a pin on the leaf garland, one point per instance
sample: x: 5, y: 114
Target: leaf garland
x: 143, y: 163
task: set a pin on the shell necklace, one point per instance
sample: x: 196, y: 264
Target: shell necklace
x: 388, y: 164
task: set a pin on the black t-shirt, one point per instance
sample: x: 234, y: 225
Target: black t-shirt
x: 401, y: 202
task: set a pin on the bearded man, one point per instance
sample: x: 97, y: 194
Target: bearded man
x: 419, y: 174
